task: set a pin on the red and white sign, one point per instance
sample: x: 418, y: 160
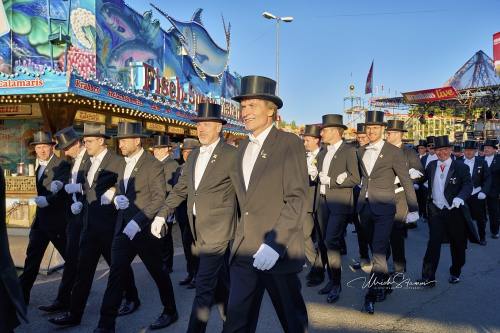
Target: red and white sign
x: 430, y: 95
x: 496, y: 51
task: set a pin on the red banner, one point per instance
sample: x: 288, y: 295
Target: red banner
x: 430, y: 95
x: 496, y: 51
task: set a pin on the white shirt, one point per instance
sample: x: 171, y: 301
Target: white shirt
x: 96, y: 162
x: 371, y: 154
x: 252, y: 152
x: 327, y: 161
x: 311, y: 156
x: 430, y: 158
x: 201, y: 165
x: 76, y: 165
x: 164, y: 158
x: 489, y: 159
x: 131, y: 162
x: 42, y: 166
x: 439, y: 184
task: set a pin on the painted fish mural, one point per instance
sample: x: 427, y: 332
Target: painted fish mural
x: 209, y: 59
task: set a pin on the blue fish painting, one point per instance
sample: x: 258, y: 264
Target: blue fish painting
x: 208, y: 58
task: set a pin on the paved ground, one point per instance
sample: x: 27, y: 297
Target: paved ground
x: 471, y: 306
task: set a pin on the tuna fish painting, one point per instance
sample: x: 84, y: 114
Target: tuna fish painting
x: 208, y: 58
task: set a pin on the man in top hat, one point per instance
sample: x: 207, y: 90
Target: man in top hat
x: 457, y: 153
x: 99, y: 220
x: 431, y: 156
x: 380, y: 163
x: 421, y: 190
x: 181, y: 216
x: 140, y: 192
x: 449, y: 188
x: 50, y: 220
x: 481, y: 149
x: 317, y: 257
x: 481, y: 186
x: 493, y: 196
x: 361, y: 136
x: 421, y: 148
x: 394, y: 134
x: 271, y: 185
x: 68, y: 141
x: 211, y: 203
x: 338, y: 174
x: 11, y: 295
x: 161, y: 150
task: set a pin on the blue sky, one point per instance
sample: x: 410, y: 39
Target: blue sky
x: 415, y: 44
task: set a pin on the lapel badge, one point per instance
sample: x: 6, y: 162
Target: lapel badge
x: 214, y: 156
x: 453, y: 180
x: 315, y: 162
x: 381, y: 156
x: 135, y: 169
x: 263, y: 154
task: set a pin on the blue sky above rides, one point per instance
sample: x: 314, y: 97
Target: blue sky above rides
x: 330, y: 44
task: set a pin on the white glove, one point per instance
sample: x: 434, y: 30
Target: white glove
x: 76, y: 208
x: 56, y: 186
x: 341, y: 178
x: 73, y: 188
x: 312, y: 170
x: 412, y: 217
x: 121, y: 202
x: 481, y: 196
x: 324, y: 179
x: 157, y: 225
x: 416, y: 187
x: 41, y: 202
x: 414, y: 173
x: 107, y: 197
x: 131, y: 229
x: 265, y: 258
x: 457, y: 202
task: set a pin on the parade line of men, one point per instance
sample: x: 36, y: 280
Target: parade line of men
x: 249, y: 215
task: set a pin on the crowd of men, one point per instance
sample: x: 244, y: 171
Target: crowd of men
x: 249, y: 214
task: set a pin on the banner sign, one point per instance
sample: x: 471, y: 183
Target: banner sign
x: 90, y: 117
x: 22, y: 82
x: 155, y: 127
x: 175, y: 130
x: 496, y: 52
x: 430, y: 95
x: 16, y: 110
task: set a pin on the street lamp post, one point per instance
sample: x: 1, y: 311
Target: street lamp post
x: 278, y: 19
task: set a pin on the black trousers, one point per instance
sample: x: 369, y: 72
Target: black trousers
x: 94, y: 244
x: 422, y: 200
x: 247, y: 290
x: 493, y: 205
x: 317, y: 256
x: 187, y: 239
x: 73, y: 234
x: 38, y: 241
x: 8, y: 315
x: 441, y: 222
x: 362, y: 242
x: 398, y: 234
x: 212, y: 285
x: 478, y: 212
x: 123, y: 251
x: 377, y: 230
x: 167, y: 254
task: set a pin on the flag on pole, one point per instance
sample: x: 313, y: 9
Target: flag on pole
x: 369, y: 81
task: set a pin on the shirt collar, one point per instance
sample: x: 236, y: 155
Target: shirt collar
x: 446, y: 162
x: 134, y: 158
x: 80, y: 154
x: 334, y: 146
x: 210, y: 148
x: 164, y: 158
x: 261, y: 137
x: 470, y: 160
x: 377, y: 145
x: 99, y: 156
x: 44, y: 163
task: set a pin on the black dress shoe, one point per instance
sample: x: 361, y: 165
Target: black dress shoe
x: 186, y: 281
x: 334, y: 294
x: 163, y: 321
x: 453, y: 279
x: 426, y: 283
x: 104, y: 330
x: 128, y: 307
x: 482, y: 242
x: 355, y: 266
x: 326, y: 289
x: 54, y: 307
x: 495, y: 236
x: 368, y: 307
x: 192, y: 284
x: 66, y: 319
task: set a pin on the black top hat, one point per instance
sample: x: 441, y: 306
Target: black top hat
x: 189, y: 143
x: 332, y: 120
x: 360, y: 128
x: 42, y: 138
x: 129, y: 130
x: 470, y: 144
x: 209, y: 112
x: 374, y: 118
x: 259, y: 87
x: 66, y: 138
x: 160, y: 141
x: 492, y: 143
x: 95, y: 130
x: 430, y: 140
x: 422, y: 143
x: 441, y: 141
x: 312, y: 130
x: 396, y: 125
x: 457, y: 148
